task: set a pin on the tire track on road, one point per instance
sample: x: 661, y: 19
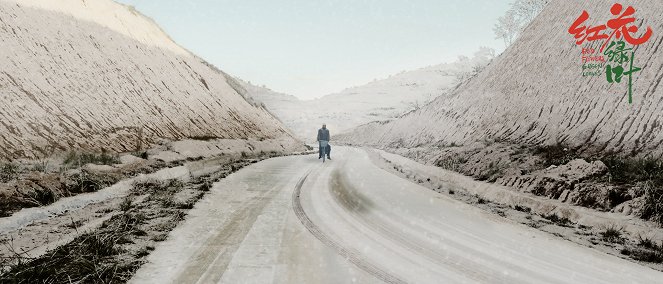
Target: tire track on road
x: 457, y: 263
x: 230, y: 235
x: 351, y: 255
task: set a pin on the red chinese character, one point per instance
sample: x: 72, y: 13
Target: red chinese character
x: 620, y: 25
x: 582, y: 33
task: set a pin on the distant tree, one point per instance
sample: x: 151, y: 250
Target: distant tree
x: 472, y: 67
x: 507, y: 28
x: 527, y: 10
x: 516, y: 19
x: 414, y: 105
x: 483, y: 55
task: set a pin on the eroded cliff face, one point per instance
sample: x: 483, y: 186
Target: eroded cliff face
x: 534, y: 93
x: 97, y: 75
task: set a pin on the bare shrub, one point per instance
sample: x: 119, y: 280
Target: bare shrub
x: 76, y: 159
x: 8, y: 171
x: 612, y: 234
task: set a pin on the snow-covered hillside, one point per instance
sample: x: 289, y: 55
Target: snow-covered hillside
x: 534, y: 93
x: 98, y: 75
x: 379, y: 100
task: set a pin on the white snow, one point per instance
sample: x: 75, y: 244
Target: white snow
x: 246, y: 231
x: 214, y: 152
x: 534, y: 93
x: 380, y: 100
x: 28, y: 216
x: 631, y: 225
x: 97, y: 75
x: 112, y: 15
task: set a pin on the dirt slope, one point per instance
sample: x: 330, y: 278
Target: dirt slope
x: 534, y: 93
x: 98, y: 75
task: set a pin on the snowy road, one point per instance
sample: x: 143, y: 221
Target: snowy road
x: 296, y: 220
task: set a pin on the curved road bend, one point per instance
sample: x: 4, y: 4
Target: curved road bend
x: 296, y: 220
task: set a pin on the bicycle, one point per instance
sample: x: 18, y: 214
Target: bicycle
x: 323, y: 149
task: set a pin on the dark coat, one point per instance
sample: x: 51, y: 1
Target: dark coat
x: 323, y: 134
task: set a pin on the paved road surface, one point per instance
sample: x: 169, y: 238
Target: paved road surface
x: 296, y: 220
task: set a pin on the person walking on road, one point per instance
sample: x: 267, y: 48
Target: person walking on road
x: 323, y: 141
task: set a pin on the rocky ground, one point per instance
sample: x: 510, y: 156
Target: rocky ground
x: 604, y: 182
x: 609, y: 204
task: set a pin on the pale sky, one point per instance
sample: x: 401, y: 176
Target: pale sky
x: 310, y: 48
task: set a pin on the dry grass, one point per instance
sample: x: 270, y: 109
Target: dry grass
x: 557, y: 220
x: 494, y: 171
x: 646, y: 250
x: 83, y: 182
x: 653, y: 207
x: 646, y: 173
x: 452, y: 164
x: 113, y: 252
x: 76, y: 159
x: 557, y: 154
x: 523, y: 208
x: 480, y: 200
x: 33, y: 194
x: 8, y: 172
x: 127, y: 204
x: 612, y: 234
x: 90, y: 258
